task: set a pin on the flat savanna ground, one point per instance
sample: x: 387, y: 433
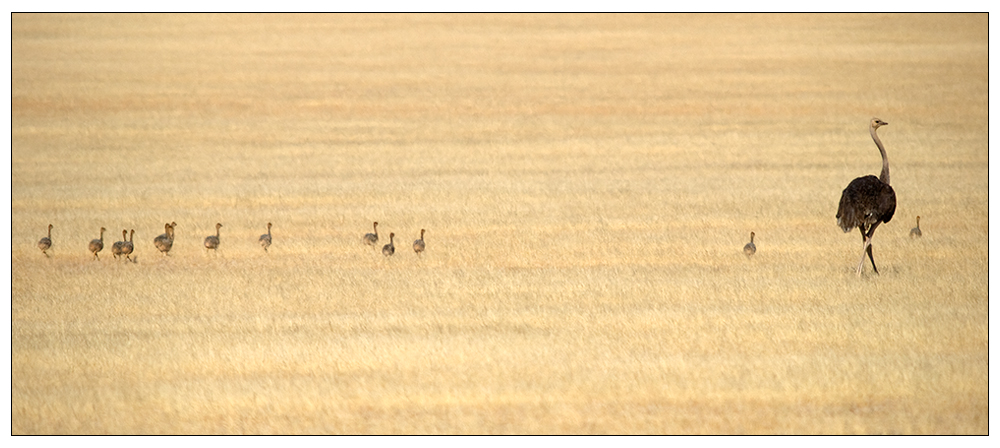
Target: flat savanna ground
x: 587, y: 184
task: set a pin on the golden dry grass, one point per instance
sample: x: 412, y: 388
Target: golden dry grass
x: 587, y: 184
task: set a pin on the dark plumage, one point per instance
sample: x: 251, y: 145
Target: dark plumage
x: 265, y: 239
x: 868, y: 201
x: 418, y: 245
x: 128, y: 247
x: 915, y: 232
x: 390, y: 248
x: 45, y: 243
x: 165, y: 241
x: 118, y: 248
x: 371, y: 239
x: 212, y: 241
x: 750, y: 248
x: 97, y: 245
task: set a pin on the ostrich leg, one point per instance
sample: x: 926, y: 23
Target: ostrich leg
x: 867, y: 247
x: 865, y: 243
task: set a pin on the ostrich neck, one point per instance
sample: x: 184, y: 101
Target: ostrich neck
x: 884, y: 177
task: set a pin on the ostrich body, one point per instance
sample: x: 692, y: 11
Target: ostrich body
x: 128, y: 247
x: 45, y: 243
x: 868, y: 201
x: 390, y: 248
x: 265, y: 239
x: 915, y: 232
x: 371, y: 239
x: 165, y: 241
x: 97, y: 245
x: 212, y: 241
x: 418, y: 245
x: 119, y: 246
x: 750, y: 248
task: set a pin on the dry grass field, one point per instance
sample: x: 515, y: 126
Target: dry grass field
x: 587, y: 184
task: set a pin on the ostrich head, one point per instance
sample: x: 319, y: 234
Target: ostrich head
x: 877, y: 122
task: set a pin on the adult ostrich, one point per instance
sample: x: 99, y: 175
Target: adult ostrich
x: 868, y: 201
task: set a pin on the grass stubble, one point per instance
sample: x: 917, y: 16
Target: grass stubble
x: 587, y: 184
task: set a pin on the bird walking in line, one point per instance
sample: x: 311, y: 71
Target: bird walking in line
x: 265, y: 239
x: 868, y: 201
x: 390, y: 248
x: 118, y: 247
x: 128, y: 247
x: 371, y: 239
x: 915, y: 232
x: 165, y: 241
x: 45, y: 243
x: 418, y: 245
x: 212, y: 241
x: 750, y: 248
x: 97, y: 245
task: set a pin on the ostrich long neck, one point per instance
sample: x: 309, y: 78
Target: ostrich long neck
x: 884, y: 177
